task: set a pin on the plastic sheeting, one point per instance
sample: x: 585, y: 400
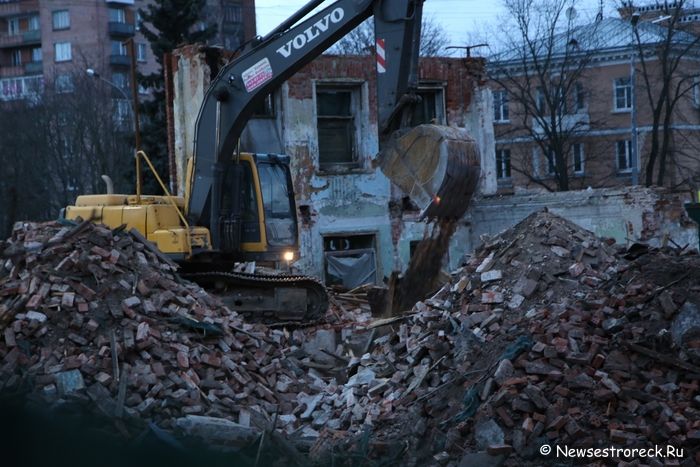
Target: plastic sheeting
x: 353, y: 271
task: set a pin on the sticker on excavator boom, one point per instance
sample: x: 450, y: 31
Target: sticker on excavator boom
x: 257, y: 75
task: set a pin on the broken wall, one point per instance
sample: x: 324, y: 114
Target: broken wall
x: 341, y: 210
x: 353, y: 204
x: 628, y: 214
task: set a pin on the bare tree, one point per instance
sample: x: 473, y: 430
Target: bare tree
x: 541, y: 71
x: 57, y: 144
x: 360, y: 41
x: 663, y: 49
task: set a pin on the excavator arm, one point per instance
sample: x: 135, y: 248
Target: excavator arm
x: 241, y: 84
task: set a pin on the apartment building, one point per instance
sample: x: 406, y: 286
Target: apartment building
x: 47, y: 42
x: 607, y: 111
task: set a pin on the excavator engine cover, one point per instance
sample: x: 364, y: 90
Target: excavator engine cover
x: 437, y: 166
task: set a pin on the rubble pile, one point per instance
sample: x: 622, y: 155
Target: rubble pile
x: 547, y: 336
x: 94, y: 314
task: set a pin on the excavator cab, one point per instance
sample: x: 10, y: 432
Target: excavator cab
x: 257, y: 220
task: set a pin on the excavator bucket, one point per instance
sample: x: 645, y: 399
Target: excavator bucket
x: 437, y: 166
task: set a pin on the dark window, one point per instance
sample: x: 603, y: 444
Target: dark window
x: 16, y: 57
x: 623, y: 94
x: 502, y: 163
x: 580, y: 97
x: 336, y: 128
x: 624, y: 155
x: 117, y: 15
x: 500, y: 106
x: 578, y: 158
x: 539, y: 100
x: 141, y: 52
x: 551, y: 163
x: 232, y: 14
x: 118, y: 48
x: 265, y: 107
x: 351, y: 261
x: 429, y: 109
x: 61, y: 19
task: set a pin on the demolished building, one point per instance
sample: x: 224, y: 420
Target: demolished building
x: 325, y: 119
x: 344, y: 202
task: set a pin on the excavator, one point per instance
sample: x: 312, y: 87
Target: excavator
x: 240, y: 207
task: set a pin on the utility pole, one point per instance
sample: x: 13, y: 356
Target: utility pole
x: 633, y: 117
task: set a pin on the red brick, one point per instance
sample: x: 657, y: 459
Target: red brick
x: 182, y: 360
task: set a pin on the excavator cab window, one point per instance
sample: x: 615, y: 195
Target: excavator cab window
x: 278, y: 203
x: 250, y: 227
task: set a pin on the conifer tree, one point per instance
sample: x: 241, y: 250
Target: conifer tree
x: 167, y: 24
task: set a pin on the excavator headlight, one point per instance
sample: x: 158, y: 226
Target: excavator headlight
x: 288, y: 256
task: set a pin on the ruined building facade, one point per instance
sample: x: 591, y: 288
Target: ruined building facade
x: 325, y: 119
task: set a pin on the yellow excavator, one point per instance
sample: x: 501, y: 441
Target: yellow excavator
x: 239, y: 207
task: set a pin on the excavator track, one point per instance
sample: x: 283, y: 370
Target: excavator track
x: 267, y: 297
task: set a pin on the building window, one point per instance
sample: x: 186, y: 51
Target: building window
x: 578, y: 158
x: 16, y: 57
x: 350, y: 261
x: 266, y: 107
x: 551, y: 163
x: 580, y: 98
x: 20, y: 87
x: 502, y: 164
x: 337, y: 145
x: 120, y: 80
x: 138, y: 21
x: 64, y: 83
x: 624, y: 155
x: 118, y: 48
x: 13, y: 26
x: 500, y: 106
x: 696, y: 91
x: 117, y: 15
x: 141, y: 52
x: 62, y: 51
x: 122, y: 113
x: 540, y: 103
x: 33, y: 23
x: 143, y: 89
x: 538, y: 159
x: 232, y: 14
x: 563, y: 105
x: 37, y: 54
x: 61, y: 20
x: 431, y: 108
x: 623, y: 94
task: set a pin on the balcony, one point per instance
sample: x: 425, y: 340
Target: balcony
x: 11, y: 71
x: 120, y: 29
x: 21, y: 87
x: 17, y: 7
x: 31, y: 37
x: 33, y: 68
x: 119, y: 60
x: 14, y: 40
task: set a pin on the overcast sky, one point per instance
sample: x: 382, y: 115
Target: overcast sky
x: 463, y: 20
